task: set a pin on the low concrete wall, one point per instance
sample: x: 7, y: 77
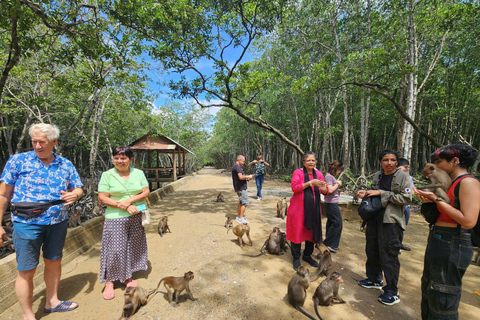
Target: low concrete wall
x: 78, y: 241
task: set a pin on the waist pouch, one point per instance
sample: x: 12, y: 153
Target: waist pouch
x: 32, y: 209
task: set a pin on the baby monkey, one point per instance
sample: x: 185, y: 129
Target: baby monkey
x: 163, y: 226
x: 220, y: 197
x: 74, y: 219
x: 228, y: 224
x: 240, y: 230
x: 134, y: 298
x: 326, y: 291
x: 175, y: 286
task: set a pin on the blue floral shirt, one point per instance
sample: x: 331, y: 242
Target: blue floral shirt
x: 33, y: 181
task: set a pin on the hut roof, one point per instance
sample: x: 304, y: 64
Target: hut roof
x: 153, y: 141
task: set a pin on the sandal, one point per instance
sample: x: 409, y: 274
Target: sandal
x: 131, y: 283
x: 63, y: 306
x: 108, y: 292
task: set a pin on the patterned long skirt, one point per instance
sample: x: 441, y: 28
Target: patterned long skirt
x: 124, y: 248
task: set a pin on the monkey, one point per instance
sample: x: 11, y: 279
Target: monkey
x: 178, y: 284
x: 283, y: 242
x: 439, y: 180
x: 163, y: 226
x: 240, y: 230
x: 134, y: 298
x: 297, y: 290
x: 282, y: 208
x: 228, y: 224
x: 323, y: 265
x: 220, y: 197
x: 326, y: 291
x: 273, y: 244
x: 98, y: 210
x: 74, y: 219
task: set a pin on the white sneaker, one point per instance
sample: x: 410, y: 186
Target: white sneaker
x: 245, y: 220
x: 259, y: 198
x: 239, y: 220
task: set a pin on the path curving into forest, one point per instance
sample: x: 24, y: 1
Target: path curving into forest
x: 229, y: 285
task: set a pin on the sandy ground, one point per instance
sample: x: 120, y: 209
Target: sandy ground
x: 228, y: 284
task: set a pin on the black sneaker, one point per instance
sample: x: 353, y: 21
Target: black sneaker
x: 296, y: 264
x: 388, y: 299
x: 370, y: 285
x: 405, y: 248
x: 310, y: 260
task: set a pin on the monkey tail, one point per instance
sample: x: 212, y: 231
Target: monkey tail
x: 158, y: 285
x: 315, y: 303
x: 255, y: 256
x: 300, y: 308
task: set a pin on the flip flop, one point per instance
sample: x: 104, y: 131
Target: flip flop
x: 131, y: 283
x: 63, y: 306
x: 108, y: 292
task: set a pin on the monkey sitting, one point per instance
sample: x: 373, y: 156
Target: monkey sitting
x: 220, y: 197
x: 134, y: 298
x: 98, y: 210
x: 324, y: 263
x: 240, y: 230
x: 297, y: 290
x: 273, y: 244
x: 282, y: 208
x: 163, y: 226
x: 439, y: 180
x: 326, y: 291
x: 178, y: 284
x: 229, y: 224
x: 74, y: 219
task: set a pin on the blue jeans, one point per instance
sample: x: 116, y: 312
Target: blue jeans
x: 407, y: 214
x: 447, y: 257
x: 259, y: 182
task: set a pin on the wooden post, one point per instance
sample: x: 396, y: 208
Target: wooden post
x: 174, y: 167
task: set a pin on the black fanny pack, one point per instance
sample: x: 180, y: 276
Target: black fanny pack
x: 369, y: 207
x: 32, y: 209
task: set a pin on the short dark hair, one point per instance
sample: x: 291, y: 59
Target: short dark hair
x: 385, y: 152
x: 334, y: 166
x: 464, y: 152
x: 403, y: 162
x: 125, y: 150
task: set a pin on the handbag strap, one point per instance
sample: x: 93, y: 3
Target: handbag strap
x: 129, y: 194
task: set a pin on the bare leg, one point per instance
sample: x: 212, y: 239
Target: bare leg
x: 241, y: 210
x: 51, y: 276
x: 24, y: 291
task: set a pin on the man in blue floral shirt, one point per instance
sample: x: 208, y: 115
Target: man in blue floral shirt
x: 39, y: 176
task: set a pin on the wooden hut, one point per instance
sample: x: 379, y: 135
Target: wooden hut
x: 150, y: 151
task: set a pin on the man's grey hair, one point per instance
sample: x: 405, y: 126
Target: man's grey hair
x: 50, y: 130
x: 240, y: 157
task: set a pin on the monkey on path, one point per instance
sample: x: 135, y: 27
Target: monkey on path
x: 273, y: 244
x: 327, y: 291
x: 229, y: 224
x: 220, y: 197
x: 297, y: 290
x: 134, y: 298
x: 282, y: 208
x: 439, y: 180
x: 178, y: 284
x: 240, y: 230
x: 163, y: 226
x: 324, y: 263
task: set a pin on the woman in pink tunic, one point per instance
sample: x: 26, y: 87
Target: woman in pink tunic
x: 304, y: 216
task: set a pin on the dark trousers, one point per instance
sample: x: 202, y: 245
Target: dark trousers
x: 447, y: 257
x: 382, y: 249
x: 259, y: 182
x: 334, y: 225
x: 297, y: 248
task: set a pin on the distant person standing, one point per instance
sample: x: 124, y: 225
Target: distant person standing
x: 404, y: 164
x: 334, y: 216
x: 259, y: 173
x: 240, y: 186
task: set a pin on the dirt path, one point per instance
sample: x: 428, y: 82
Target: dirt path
x: 232, y: 286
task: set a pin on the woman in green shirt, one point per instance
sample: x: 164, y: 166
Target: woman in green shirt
x: 124, y: 245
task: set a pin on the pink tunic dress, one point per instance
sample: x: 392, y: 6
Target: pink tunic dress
x: 296, y: 230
